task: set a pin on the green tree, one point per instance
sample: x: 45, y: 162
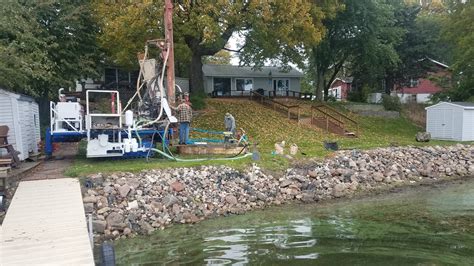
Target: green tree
x: 363, y: 36
x: 45, y: 45
x: 275, y: 30
x: 459, y: 31
x: 22, y: 55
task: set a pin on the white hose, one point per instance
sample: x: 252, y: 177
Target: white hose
x: 160, y: 85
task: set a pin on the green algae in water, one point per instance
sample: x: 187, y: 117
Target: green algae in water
x: 427, y: 226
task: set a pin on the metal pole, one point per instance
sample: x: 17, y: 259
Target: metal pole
x: 91, y: 231
x: 170, y: 79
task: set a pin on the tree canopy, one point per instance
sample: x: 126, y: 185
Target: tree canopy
x: 45, y: 45
x: 362, y: 37
x: 276, y: 30
x: 459, y: 30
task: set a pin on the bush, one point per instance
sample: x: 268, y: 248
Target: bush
x: 391, y: 103
x: 331, y: 99
x: 198, y: 101
x: 359, y: 95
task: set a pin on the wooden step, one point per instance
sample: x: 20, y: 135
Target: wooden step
x: 4, y: 171
x: 6, y: 161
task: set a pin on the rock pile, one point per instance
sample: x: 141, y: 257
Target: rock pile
x: 124, y: 204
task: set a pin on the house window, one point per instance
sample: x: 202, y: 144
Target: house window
x: 222, y: 87
x: 281, y: 84
x: 244, y: 84
x: 414, y: 83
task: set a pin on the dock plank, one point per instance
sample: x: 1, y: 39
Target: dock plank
x: 46, y: 224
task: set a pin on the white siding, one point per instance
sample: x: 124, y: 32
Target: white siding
x: 21, y: 115
x: 6, y: 118
x: 450, y: 122
x: 468, y: 125
x: 423, y: 97
x: 36, y: 121
x: 27, y: 132
x: 457, y: 123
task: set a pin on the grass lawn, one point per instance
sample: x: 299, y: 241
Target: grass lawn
x: 266, y: 127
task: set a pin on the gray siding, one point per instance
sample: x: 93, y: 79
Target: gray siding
x: 183, y: 83
x: 208, y: 84
x: 258, y: 82
x: 295, y: 84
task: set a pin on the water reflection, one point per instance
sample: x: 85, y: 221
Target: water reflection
x: 433, y: 227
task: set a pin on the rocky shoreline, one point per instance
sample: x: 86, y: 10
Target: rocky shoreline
x: 126, y: 204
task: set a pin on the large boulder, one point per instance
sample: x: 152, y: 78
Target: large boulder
x: 423, y: 136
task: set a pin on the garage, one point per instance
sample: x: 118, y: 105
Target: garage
x: 451, y: 121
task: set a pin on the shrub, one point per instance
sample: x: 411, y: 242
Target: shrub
x: 198, y: 101
x: 331, y: 99
x: 391, y: 103
x: 359, y: 95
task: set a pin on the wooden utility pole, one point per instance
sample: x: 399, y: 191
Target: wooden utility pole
x: 170, y: 80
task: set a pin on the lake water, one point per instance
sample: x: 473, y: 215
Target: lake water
x: 423, y: 226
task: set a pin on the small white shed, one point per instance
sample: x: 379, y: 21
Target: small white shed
x: 451, y: 121
x: 21, y: 114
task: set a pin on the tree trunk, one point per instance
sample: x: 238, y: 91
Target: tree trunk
x: 326, y: 90
x: 196, y: 77
x: 319, y: 85
x: 389, y: 85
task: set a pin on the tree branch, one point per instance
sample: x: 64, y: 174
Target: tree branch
x: 232, y: 50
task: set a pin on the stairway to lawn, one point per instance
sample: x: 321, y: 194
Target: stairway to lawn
x: 267, y: 126
x: 322, y: 116
x: 263, y: 124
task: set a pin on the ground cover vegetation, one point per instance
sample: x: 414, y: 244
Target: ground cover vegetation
x: 266, y: 127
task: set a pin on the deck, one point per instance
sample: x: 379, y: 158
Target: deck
x: 46, y: 224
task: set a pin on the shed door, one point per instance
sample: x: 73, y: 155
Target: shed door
x: 447, y: 124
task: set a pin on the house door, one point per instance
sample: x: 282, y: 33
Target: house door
x: 222, y: 87
x: 281, y: 86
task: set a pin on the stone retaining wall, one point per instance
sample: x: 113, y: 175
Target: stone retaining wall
x: 125, y: 204
x: 374, y: 110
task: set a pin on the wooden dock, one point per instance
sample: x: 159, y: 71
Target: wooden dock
x: 46, y: 224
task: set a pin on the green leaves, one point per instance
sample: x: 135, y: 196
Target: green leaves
x: 45, y: 45
x: 459, y: 31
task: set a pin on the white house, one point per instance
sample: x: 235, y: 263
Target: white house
x: 451, y: 121
x: 21, y: 114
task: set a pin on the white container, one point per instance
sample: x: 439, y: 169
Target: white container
x: 126, y: 145
x: 129, y: 118
x: 134, y: 145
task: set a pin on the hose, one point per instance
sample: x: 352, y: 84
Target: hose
x: 161, y: 87
x: 200, y: 159
x: 138, y: 135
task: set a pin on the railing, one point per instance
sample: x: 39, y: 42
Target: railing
x: 230, y: 94
x: 339, y: 118
x: 319, y: 115
x: 290, y: 93
x: 270, y: 94
x: 277, y: 106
